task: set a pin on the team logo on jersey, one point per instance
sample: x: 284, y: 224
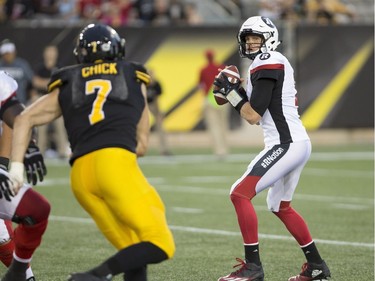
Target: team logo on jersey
x: 264, y: 56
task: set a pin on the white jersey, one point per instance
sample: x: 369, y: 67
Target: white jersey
x: 8, y: 87
x: 280, y: 121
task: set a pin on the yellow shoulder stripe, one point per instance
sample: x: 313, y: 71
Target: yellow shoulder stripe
x: 54, y: 85
x: 143, y: 77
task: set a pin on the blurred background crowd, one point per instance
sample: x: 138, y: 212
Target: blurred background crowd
x: 32, y: 65
x: 181, y: 12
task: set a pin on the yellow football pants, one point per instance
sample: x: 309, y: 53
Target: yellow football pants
x: 110, y: 186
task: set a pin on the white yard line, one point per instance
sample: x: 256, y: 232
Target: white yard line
x: 223, y: 232
x: 199, y: 158
x: 161, y: 186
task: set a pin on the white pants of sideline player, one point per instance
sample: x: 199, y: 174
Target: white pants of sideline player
x: 217, y: 123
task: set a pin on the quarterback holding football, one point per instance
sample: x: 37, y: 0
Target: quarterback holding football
x: 269, y: 99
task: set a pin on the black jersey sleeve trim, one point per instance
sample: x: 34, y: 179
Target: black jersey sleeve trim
x: 9, y: 102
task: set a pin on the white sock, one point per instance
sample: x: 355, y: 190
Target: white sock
x: 29, y: 273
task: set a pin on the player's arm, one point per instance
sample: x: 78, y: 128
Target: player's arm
x: 42, y: 111
x: 249, y: 114
x: 260, y: 99
x: 5, y: 142
x: 143, y: 127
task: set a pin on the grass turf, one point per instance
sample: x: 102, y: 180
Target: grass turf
x: 335, y: 195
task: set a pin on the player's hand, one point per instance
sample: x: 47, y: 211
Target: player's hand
x: 6, y: 187
x: 224, y: 86
x: 16, y: 172
x: 34, y: 164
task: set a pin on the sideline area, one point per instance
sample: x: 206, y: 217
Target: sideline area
x: 253, y: 136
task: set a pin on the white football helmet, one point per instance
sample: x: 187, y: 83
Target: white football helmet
x: 262, y: 27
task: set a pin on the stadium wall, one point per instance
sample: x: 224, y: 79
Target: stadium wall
x: 334, y: 68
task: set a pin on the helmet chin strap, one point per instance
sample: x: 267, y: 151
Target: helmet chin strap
x: 252, y: 55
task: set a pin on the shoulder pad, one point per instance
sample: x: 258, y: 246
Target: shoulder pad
x: 58, y: 78
x: 8, y: 86
x: 270, y: 60
x: 141, y: 73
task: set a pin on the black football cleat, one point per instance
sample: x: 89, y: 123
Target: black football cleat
x: 14, y: 276
x: 246, y: 272
x: 313, y: 271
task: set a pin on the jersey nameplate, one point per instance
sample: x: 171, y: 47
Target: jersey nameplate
x: 102, y: 68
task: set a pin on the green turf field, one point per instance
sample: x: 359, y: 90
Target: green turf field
x: 335, y: 195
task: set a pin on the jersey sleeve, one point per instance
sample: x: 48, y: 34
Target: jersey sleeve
x: 8, y: 87
x: 268, y: 66
x: 141, y: 74
x: 56, y: 80
x: 262, y: 94
x: 266, y: 70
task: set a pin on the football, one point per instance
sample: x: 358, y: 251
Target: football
x: 231, y: 71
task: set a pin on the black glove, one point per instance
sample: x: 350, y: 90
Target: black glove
x: 34, y: 164
x: 4, y: 180
x: 233, y: 92
x: 4, y: 163
x: 224, y: 86
x: 5, y: 185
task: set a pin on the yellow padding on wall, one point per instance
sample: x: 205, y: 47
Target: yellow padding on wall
x: 176, y: 64
x: 315, y: 115
x: 187, y: 115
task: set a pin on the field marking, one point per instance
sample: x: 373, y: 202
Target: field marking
x: 353, y: 207
x: 338, y: 173
x: 223, y: 232
x: 187, y: 210
x: 307, y: 197
x: 161, y: 186
x: 243, y: 157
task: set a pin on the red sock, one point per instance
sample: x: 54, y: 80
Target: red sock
x: 27, y: 238
x: 6, y: 252
x: 247, y: 218
x: 295, y: 224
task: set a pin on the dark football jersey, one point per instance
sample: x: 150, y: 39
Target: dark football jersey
x: 101, y: 103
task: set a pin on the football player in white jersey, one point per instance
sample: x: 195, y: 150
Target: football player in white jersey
x: 270, y: 101
x: 28, y: 208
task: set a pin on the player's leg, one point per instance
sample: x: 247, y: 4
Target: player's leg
x: 242, y: 191
x: 266, y: 170
x: 6, y: 242
x: 125, y: 193
x: 215, y: 128
x: 7, y: 247
x: 139, y: 274
x: 31, y: 213
x: 279, y: 201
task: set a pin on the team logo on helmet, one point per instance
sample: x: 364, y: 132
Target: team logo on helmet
x: 268, y: 22
x: 99, y: 42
